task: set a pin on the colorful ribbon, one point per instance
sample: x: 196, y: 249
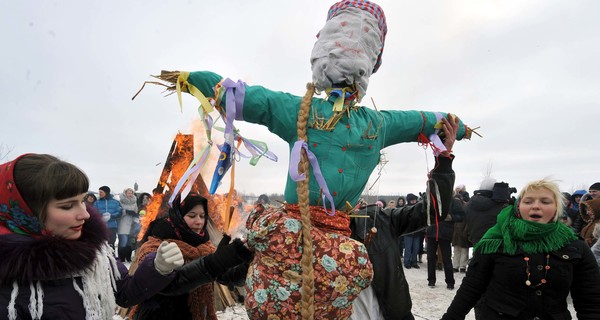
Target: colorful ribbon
x: 295, y: 157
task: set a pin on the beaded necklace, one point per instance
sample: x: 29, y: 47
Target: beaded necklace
x: 528, y: 272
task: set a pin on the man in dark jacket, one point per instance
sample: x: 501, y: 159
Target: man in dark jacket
x: 381, y: 229
x: 483, y: 208
x: 439, y: 235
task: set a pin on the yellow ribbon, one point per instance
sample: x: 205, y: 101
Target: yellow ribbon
x: 183, y: 84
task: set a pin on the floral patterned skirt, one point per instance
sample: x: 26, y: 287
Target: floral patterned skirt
x: 341, y: 265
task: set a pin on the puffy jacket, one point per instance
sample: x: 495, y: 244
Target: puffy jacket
x: 112, y: 206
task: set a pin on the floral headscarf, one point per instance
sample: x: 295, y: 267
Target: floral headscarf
x: 15, y: 214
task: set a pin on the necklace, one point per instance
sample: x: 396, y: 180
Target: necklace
x: 528, y: 272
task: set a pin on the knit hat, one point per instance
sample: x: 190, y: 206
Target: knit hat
x: 370, y: 7
x: 487, y: 184
x: 106, y: 189
x: 15, y: 214
x: 410, y: 197
x: 595, y: 186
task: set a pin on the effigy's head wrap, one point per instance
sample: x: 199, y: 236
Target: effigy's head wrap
x: 349, y: 47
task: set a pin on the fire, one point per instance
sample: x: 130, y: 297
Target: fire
x: 226, y: 217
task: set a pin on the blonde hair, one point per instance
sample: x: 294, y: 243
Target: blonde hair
x: 550, y: 185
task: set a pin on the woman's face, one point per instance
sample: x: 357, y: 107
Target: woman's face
x: 195, y: 218
x: 401, y: 202
x: 538, y: 206
x: 90, y: 199
x: 65, y: 218
x: 129, y: 193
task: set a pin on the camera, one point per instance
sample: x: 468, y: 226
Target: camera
x: 501, y: 192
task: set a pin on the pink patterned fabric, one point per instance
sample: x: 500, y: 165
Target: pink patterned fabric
x: 372, y: 8
x: 341, y: 265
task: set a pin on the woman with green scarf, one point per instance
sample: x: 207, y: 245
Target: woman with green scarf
x: 527, y: 264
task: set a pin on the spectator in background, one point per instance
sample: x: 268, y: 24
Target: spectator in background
x: 594, y: 190
x: 262, y: 203
x: 411, y: 199
x: 126, y: 223
x: 391, y: 204
x: 111, y: 212
x: 462, y: 191
x: 573, y: 210
x: 143, y: 201
x: 380, y: 203
x: 401, y: 202
x: 91, y: 198
x: 593, y: 193
x: 413, y: 242
x: 439, y: 235
x: 596, y: 246
x: 460, y: 242
x: 593, y: 219
x: 481, y: 211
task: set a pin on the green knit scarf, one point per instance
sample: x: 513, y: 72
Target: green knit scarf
x: 513, y: 233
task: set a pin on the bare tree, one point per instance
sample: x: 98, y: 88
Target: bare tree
x: 4, y: 151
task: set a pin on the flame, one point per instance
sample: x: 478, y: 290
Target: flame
x: 178, y: 161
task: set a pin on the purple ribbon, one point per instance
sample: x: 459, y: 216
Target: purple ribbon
x: 296, y: 176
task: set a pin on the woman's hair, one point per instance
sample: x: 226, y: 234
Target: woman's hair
x: 550, y: 185
x: 91, y: 195
x: 41, y: 178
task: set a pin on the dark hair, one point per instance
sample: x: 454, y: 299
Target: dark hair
x: 91, y: 195
x: 41, y: 178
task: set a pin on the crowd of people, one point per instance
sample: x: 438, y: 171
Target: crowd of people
x: 323, y: 253
x: 175, y: 262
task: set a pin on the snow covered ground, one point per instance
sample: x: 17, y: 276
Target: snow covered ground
x: 428, y: 303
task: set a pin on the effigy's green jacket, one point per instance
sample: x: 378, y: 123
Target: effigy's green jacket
x: 348, y: 154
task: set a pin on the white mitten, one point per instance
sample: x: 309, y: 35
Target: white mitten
x: 168, y: 257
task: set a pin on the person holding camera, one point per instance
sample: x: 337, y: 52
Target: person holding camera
x: 484, y: 206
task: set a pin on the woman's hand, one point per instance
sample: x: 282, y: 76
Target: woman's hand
x: 450, y: 127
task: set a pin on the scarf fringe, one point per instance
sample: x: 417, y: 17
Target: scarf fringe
x: 98, y: 298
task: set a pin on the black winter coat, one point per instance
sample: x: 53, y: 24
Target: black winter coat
x: 55, y: 263
x: 389, y: 282
x: 480, y: 214
x: 444, y: 230
x: 501, y: 278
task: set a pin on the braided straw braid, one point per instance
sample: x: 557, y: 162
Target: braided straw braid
x: 308, y: 277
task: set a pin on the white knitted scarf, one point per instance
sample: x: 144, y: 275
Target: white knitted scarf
x: 98, y: 296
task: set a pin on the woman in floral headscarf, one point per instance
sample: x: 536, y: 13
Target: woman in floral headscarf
x: 56, y: 262
x: 190, y: 296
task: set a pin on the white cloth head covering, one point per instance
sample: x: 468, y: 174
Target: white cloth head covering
x: 347, y: 50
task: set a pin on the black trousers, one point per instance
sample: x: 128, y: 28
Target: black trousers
x: 446, y: 250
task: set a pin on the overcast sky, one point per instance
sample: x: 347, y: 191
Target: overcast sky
x: 527, y: 72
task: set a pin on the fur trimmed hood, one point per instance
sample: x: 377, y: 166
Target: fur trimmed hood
x: 26, y: 258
